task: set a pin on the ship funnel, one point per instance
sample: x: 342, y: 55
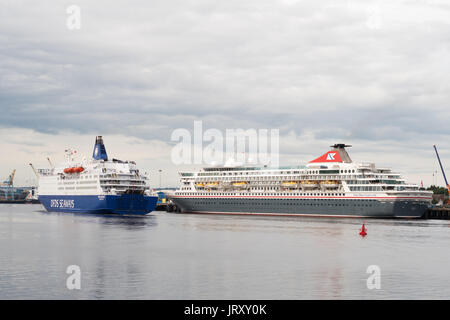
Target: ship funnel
x: 337, y: 154
x: 340, y: 147
x: 99, y: 149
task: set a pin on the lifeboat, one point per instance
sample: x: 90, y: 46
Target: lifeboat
x: 330, y: 184
x: 289, y: 184
x: 200, y: 185
x: 308, y: 184
x: 239, y: 184
x: 74, y: 170
x: 211, y: 184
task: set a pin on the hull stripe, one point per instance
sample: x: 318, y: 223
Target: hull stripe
x: 298, y: 214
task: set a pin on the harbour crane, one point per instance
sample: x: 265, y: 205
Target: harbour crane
x: 50, y: 162
x: 10, y: 181
x: 11, y: 178
x: 443, y: 172
x: 34, y: 170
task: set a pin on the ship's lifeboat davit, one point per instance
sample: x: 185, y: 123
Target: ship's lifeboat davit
x: 73, y: 170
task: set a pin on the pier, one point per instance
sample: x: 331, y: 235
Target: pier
x: 167, y: 206
x: 442, y: 213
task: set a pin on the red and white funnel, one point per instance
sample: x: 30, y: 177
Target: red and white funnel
x: 337, y: 154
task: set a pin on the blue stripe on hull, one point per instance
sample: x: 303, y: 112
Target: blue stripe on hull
x: 118, y: 204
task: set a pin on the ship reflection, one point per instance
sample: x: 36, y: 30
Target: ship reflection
x: 131, y: 221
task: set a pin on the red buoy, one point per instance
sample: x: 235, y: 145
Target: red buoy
x: 363, y: 232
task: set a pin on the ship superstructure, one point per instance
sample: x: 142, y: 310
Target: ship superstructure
x: 97, y: 185
x: 331, y: 185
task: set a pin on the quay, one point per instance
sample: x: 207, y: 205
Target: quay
x: 26, y: 201
x: 12, y: 201
x: 442, y: 213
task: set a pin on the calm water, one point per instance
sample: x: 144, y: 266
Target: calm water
x: 173, y: 256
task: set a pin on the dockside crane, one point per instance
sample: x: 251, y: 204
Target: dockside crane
x: 34, y: 170
x: 443, y: 172
x: 51, y: 164
x: 11, y: 178
x: 10, y: 181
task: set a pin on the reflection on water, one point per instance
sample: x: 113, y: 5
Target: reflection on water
x: 132, y: 221
x: 175, y: 256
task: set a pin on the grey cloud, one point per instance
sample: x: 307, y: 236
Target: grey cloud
x: 143, y: 69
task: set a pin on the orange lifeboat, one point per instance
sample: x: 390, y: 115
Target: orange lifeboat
x: 74, y: 170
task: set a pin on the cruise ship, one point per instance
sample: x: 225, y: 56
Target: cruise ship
x: 97, y: 185
x: 331, y: 185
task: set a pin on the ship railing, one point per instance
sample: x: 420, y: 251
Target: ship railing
x: 123, y: 178
x: 122, y: 184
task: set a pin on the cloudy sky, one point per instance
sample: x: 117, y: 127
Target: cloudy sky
x: 374, y: 74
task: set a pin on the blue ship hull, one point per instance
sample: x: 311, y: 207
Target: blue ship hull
x: 100, y: 204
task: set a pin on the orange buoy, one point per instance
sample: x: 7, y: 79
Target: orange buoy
x: 363, y: 232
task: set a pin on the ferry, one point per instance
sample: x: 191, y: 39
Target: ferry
x: 331, y: 186
x: 98, y: 185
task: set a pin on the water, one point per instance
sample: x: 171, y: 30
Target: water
x: 174, y: 256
